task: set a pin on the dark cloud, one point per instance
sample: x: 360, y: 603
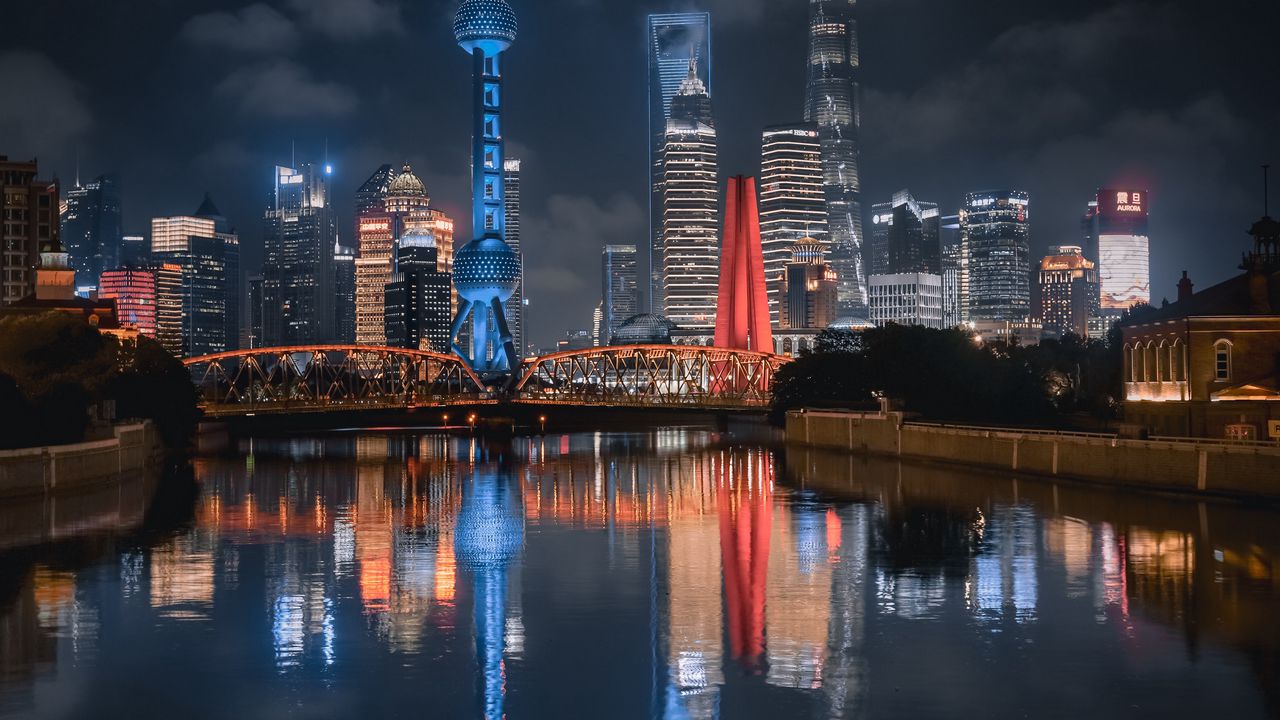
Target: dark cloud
x: 285, y: 89
x: 44, y: 110
x: 350, y: 19
x: 257, y: 28
x: 566, y: 274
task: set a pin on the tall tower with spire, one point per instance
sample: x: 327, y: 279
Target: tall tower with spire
x: 486, y: 270
x: 831, y: 102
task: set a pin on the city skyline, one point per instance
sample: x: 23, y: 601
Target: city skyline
x: 1207, y: 152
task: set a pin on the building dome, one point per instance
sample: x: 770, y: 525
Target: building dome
x: 485, y: 269
x: 489, y: 25
x: 848, y: 323
x: 644, y: 329
x: 406, y: 184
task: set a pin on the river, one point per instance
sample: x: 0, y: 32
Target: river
x: 673, y: 574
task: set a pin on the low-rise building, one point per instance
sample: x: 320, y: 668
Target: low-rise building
x: 1208, y: 365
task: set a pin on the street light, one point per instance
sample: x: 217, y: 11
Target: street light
x: 543, y: 419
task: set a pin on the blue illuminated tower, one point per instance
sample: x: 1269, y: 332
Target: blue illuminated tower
x: 486, y: 271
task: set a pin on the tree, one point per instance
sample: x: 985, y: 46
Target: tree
x: 155, y: 385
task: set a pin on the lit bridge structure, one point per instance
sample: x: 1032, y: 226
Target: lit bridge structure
x: 346, y: 378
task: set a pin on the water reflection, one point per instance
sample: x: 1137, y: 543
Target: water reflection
x: 669, y: 575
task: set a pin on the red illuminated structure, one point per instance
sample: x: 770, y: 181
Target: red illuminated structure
x: 742, y: 308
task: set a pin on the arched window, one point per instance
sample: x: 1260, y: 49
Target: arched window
x: 786, y: 346
x: 1177, y: 363
x: 1129, y: 364
x: 1222, y: 360
x: 1149, y: 369
x: 1165, y: 363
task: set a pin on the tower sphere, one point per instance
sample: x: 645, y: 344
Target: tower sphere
x: 486, y: 268
x: 489, y: 25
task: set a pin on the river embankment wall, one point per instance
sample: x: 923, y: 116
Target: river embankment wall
x: 1170, y: 464
x: 32, y: 471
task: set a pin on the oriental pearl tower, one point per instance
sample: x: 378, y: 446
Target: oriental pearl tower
x: 486, y: 270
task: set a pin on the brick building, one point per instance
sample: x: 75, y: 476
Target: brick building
x: 1208, y: 365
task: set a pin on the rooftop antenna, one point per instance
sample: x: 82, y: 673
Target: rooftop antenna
x: 293, y: 154
x: 1266, y: 199
x: 77, y: 167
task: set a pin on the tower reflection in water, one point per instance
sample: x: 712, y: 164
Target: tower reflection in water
x: 487, y: 539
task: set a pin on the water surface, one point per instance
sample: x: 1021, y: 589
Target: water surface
x: 667, y: 575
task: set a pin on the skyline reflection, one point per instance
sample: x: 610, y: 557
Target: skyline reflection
x: 673, y: 575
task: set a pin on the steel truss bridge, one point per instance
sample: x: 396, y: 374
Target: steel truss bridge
x: 327, y: 378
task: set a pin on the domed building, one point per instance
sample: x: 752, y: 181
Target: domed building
x: 644, y: 329
x: 406, y: 193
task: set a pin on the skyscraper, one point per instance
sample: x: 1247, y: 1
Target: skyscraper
x: 995, y: 232
x: 300, y: 232
x: 134, y: 293
x: 30, y: 211
x: 691, y: 209
x: 1068, y: 291
x: 955, y: 299
x: 372, y: 195
x: 514, y: 306
x: 1116, y: 240
x: 205, y: 253
x: 486, y: 270
x: 134, y: 251
x: 832, y: 103
x: 810, y: 288
x: 253, y: 311
x: 792, y: 205
x: 673, y: 40
x: 92, y: 230
x: 373, y: 272
x: 904, y: 236
x: 417, y: 311
x: 619, y: 292
x: 344, y: 284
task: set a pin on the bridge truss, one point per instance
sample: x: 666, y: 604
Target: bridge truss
x: 651, y: 376
x: 320, y: 378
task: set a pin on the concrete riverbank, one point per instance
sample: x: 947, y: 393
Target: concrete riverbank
x: 1172, y: 464
x: 33, y: 471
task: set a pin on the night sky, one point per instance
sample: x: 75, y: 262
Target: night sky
x: 1057, y: 98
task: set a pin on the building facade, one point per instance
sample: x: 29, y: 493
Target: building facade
x: 793, y: 206
x: 300, y: 232
x: 832, y: 103
x: 904, y: 237
x: 620, y: 289
x: 995, y: 228
x: 907, y: 299
x: 1208, y: 365
x: 673, y: 41
x: 515, y: 307
x: 30, y: 212
x: 1117, y: 242
x: 811, y: 287
x: 344, y: 287
x: 133, y: 290
x: 691, y: 208
x: 92, y: 230
x: 955, y: 298
x: 206, y: 252
x: 417, y: 308
x: 1068, y: 292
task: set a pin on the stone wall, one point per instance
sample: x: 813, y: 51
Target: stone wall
x: 1187, y: 466
x: 33, y: 471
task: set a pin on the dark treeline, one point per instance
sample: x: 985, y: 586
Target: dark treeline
x: 948, y: 376
x: 56, y: 370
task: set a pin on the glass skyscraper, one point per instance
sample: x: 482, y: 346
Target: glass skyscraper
x: 300, y: 233
x: 344, y: 284
x: 205, y: 252
x: 831, y: 102
x: 92, y: 230
x: 792, y: 205
x: 995, y: 232
x: 619, y: 292
x: 904, y: 237
x: 673, y: 40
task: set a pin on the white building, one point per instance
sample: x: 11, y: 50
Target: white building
x: 906, y: 299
